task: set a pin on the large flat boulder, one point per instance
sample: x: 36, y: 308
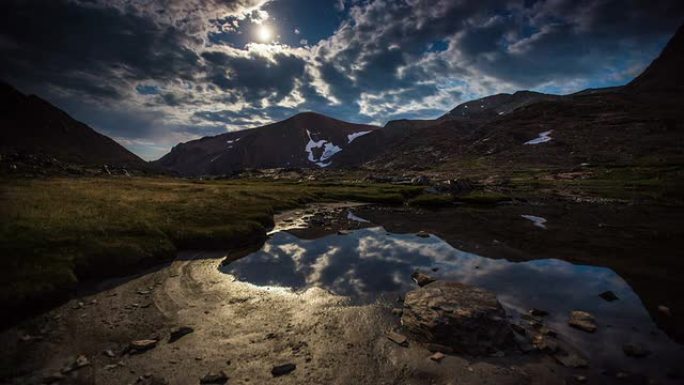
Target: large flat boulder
x: 468, y: 319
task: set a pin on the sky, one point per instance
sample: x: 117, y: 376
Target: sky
x: 153, y: 73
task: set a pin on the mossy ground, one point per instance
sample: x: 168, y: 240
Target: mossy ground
x: 56, y: 232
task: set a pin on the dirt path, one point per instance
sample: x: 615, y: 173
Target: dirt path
x: 242, y: 330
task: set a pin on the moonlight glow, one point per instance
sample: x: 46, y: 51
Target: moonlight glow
x: 264, y: 33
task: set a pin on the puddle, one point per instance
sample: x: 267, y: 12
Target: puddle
x: 372, y: 264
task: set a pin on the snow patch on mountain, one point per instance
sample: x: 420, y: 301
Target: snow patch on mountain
x: 542, y: 138
x: 329, y: 149
x: 351, y: 137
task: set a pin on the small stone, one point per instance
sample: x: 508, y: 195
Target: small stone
x: 109, y: 353
x: 421, y: 278
x: 423, y: 234
x: 609, y: 296
x: 78, y: 363
x: 582, y: 320
x: 664, y: 310
x: 178, y: 332
x: 437, y: 357
x: 580, y: 378
x: 397, y: 338
x: 544, y: 344
x: 282, y: 370
x: 214, y: 378
x: 150, y: 379
x: 635, y: 350
x: 537, y: 312
x: 142, y: 345
x: 111, y: 366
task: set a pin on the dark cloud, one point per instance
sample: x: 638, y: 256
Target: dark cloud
x: 163, y: 71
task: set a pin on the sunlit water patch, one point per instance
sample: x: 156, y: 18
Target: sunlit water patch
x: 373, y: 265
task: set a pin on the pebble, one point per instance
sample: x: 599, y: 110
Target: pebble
x: 214, y: 378
x: 609, y: 296
x: 664, y: 310
x: 582, y: 320
x: 397, y: 338
x: 437, y: 357
x: 178, y: 332
x: 537, y: 312
x: 142, y: 345
x: 281, y: 370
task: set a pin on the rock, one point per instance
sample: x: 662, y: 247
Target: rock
x: 281, y: 370
x: 582, y: 320
x: 421, y: 278
x: 420, y: 180
x: 77, y: 363
x: 139, y: 346
x: 109, y: 353
x: 571, y: 360
x: 544, y: 344
x: 537, y: 312
x: 150, y: 379
x: 664, y: 310
x: 437, y: 357
x: 178, y: 332
x: 580, y: 378
x: 468, y: 319
x: 422, y: 234
x: 397, y: 338
x: 635, y: 350
x: 214, y: 378
x: 609, y: 296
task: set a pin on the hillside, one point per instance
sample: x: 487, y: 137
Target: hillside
x: 31, y: 125
x: 306, y: 140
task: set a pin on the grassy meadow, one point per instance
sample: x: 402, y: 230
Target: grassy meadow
x: 58, y: 231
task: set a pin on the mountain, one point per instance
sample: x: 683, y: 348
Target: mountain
x: 492, y: 106
x: 302, y: 141
x: 665, y: 74
x: 31, y: 125
x: 641, y: 123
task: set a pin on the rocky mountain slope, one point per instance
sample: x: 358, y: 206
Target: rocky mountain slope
x: 641, y: 123
x: 30, y: 126
x: 306, y: 140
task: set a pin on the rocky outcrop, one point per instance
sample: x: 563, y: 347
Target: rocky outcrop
x: 465, y: 318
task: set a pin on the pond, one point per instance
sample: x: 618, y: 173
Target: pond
x: 372, y: 264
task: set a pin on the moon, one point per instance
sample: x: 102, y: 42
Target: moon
x: 264, y: 33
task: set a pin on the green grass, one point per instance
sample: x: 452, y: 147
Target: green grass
x: 56, y: 232
x: 483, y: 197
x: 431, y: 200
